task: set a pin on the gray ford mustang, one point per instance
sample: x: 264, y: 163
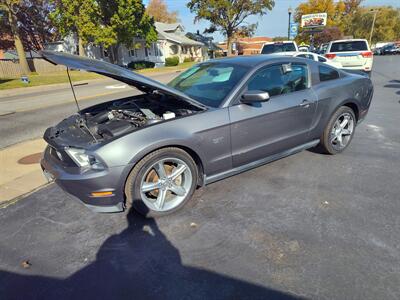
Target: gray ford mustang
x: 216, y: 119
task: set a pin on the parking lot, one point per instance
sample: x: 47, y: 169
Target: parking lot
x: 307, y: 226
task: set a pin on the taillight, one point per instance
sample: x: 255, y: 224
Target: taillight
x: 330, y: 56
x: 367, y: 54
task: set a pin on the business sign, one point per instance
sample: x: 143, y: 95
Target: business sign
x: 314, y: 20
x: 294, y: 28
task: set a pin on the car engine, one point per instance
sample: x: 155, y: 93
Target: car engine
x: 127, y: 115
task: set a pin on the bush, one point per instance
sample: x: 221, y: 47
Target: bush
x: 172, y: 61
x: 141, y: 64
x: 188, y: 59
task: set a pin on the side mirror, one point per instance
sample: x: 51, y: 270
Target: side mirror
x: 254, y: 96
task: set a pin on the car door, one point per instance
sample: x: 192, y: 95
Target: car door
x: 283, y: 122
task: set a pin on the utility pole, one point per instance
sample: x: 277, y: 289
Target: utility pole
x: 373, y: 24
x: 288, y: 30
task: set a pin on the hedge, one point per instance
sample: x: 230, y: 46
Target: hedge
x: 140, y: 64
x: 172, y: 61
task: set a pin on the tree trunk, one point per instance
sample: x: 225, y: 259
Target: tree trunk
x: 228, y: 45
x: 17, y: 41
x: 81, y: 49
x: 113, y: 54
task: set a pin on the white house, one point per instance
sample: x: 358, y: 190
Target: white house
x: 171, y: 42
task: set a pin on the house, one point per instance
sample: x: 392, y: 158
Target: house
x: 207, y: 41
x: 171, y: 42
x: 246, y: 46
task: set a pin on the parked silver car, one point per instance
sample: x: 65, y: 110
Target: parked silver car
x: 216, y: 119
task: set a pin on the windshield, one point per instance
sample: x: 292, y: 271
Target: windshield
x: 281, y: 47
x: 209, y: 83
x: 349, y: 46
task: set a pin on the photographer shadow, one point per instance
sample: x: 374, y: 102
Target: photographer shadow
x: 138, y: 263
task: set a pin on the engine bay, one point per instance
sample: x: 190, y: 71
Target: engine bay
x: 111, y: 119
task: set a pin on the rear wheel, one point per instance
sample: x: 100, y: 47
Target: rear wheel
x: 339, y: 131
x: 162, y: 182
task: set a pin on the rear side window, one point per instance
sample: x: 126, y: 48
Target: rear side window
x: 309, y: 56
x: 327, y: 73
x: 321, y: 59
x: 349, y: 46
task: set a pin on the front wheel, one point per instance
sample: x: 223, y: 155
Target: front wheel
x: 339, y: 131
x: 162, y: 182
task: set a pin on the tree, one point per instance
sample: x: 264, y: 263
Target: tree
x: 34, y: 26
x: 104, y: 22
x: 327, y: 35
x: 79, y: 17
x: 387, y: 24
x: 121, y: 21
x: 228, y: 16
x: 159, y: 11
x: 9, y: 7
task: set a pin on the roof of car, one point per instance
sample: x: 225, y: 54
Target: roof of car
x: 349, y: 40
x: 251, y: 60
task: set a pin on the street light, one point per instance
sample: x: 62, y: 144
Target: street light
x: 288, y: 30
x: 373, y: 24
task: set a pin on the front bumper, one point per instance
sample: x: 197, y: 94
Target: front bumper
x: 81, y: 183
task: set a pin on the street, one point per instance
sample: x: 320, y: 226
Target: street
x: 307, y: 226
x: 36, y: 111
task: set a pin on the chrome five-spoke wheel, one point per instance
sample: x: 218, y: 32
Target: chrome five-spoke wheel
x: 166, y: 184
x: 161, y: 182
x: 342, y: 130
x: 339, y: 131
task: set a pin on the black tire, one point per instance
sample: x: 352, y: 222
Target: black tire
x: 133, y: 182
x: 325, y: 145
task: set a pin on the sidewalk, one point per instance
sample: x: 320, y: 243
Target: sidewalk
x: 20, y: 169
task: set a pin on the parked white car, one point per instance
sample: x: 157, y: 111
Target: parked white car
x: 354, y: 54
x: 281, y: 47
x: 320, y: 58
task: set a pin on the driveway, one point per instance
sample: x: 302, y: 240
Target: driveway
x: 306, y: 226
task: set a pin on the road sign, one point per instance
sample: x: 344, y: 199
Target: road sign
x: 313, y: 20
x: 294, y: 27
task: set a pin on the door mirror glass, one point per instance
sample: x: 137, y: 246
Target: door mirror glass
x: 254, y: 96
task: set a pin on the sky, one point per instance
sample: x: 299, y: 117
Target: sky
x: 274, y: 23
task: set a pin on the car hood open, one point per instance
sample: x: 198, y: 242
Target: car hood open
x: 127, y: 76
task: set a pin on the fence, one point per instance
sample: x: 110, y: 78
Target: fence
x: 12, y: 69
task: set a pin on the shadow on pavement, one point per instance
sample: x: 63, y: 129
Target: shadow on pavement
x: 138, y: 263
x: 395, y: 84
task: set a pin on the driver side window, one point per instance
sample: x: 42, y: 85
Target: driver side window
x: 274, y: 81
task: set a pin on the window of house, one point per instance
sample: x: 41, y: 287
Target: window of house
x: 146, y: 51
x: 327, y: 73
x: 276, y: 82
x: 132, y: 52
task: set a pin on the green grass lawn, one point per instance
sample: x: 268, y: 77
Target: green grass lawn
x: 61, y: 77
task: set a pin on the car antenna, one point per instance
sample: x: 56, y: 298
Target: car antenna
x: 73, y: 91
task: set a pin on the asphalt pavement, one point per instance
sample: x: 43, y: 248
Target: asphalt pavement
x: 33, y: 113
x: 307, y: 226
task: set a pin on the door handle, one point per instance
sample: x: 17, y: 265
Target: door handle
x: 305, y: 103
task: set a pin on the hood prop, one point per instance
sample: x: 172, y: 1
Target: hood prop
x: 73, y: 91
x: 82, y: 123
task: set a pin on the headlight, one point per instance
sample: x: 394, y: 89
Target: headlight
x: 82, y: 159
